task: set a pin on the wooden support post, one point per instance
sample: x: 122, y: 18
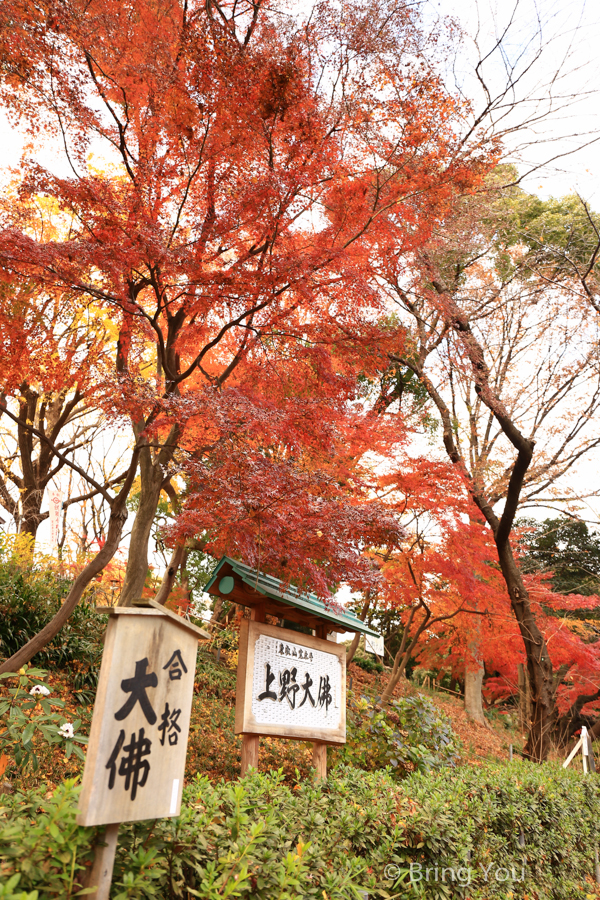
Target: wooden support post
x: 589, y: 762
x: 320, y: 760
x: 321, y: 632
x: 100, y: 875
x: 591, y: 759
x: 251, y: 742
x: 571, y: 755
x: 250, y: 745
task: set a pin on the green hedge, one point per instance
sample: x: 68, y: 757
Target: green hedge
x: 263, y: 840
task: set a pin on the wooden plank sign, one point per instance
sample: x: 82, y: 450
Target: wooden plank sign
x: 290, y: 685
x: 138, y: 740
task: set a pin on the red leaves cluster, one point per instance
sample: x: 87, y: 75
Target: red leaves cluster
x: 253, y: 167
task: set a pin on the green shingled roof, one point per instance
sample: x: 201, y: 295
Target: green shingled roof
x: 273, y: 589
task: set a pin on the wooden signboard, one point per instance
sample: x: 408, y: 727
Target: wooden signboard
x: 290, y: 685
x: 136, y: 757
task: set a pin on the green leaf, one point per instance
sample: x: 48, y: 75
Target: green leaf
x: 28, y: 733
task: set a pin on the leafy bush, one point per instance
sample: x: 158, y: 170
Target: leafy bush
x: 227, y: 638
x: 411, y: 734
x: 259, y: 839
x: 368, y: 664
x: 41, y: 842
x: 518, y: 830
x: 29, y: 599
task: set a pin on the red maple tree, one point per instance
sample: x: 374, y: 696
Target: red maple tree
x: 251, y: 163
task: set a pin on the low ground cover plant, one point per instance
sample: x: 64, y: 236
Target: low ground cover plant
x: 30, y: 717
x: 409, y: 735
x: 506, y: 831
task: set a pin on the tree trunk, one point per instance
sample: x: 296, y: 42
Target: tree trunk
x: 152, y: 478
x: 216, y: 613
x: 403, y: 655
x: 474, y: 672
x: 539, y: 665
x: 351, y: 651
x: 184, y: 576
x: 171, y: 573
x: 524, y: 699
x: 137, y: 559
x: 398, y: 669
x: 473, y: 685
x: 31, y: 504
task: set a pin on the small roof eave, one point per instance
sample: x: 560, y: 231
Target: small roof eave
x: 258, y: 583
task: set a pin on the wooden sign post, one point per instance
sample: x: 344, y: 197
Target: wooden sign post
x: 289, y: 685
x: 138, y: 741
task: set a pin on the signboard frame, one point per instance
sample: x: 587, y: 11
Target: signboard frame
x: 245, y: 722
x: 149, y: 632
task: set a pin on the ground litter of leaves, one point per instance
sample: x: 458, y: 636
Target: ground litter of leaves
x: 479, y: 742
x: 214, y: 749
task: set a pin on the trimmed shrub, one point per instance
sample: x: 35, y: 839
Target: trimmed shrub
x: 465, y: 834
x: 368, y: 664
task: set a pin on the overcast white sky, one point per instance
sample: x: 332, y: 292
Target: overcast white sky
x: 570, y: 38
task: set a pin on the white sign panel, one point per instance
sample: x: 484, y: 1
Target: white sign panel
x: 374, y: 645
x: 136, y: 756
x: 290, y: 684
